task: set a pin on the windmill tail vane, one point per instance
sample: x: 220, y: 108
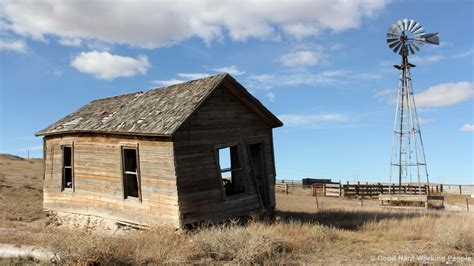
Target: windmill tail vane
x: 408, y: 159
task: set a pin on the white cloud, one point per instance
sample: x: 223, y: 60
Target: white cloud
x: 233, y: 70
x: 18, y: 46
x: 302, y: 58
x: 190, y: 76
x: 299, y: 120
x: 445, y: 94
x: 146, y: 24
x: 301, y: 30
x: 467, y: 128
x: 104, y: 65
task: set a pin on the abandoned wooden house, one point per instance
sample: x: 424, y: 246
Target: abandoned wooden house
x: 196, y: 151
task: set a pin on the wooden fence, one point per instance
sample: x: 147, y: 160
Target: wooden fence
x: 282, y: 187
x: 362, y: 190
x: 372, y: 190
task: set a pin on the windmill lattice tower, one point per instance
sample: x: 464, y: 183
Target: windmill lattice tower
x: 408, y: 155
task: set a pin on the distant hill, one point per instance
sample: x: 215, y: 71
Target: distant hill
x: 6, y: 156
x: 11, y: 157
x: 17, y: 171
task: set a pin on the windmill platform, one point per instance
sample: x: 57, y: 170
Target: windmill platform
x: 404, y: 201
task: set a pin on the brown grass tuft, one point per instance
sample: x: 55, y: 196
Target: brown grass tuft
x: 456, y: 236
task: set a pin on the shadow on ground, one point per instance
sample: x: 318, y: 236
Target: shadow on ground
x: 349, y: 220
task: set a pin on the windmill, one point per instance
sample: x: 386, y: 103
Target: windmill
x: 406, y: 37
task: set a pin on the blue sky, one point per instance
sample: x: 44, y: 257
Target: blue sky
x: 323, y: 67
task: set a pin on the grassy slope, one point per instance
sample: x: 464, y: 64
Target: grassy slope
x: 340, y: 231
x: 21, y: 215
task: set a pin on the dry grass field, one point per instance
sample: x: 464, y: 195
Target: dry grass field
x: 339, y: 231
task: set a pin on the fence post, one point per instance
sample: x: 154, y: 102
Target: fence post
x: 317, y: 203
x: 467, y: 204
x: 340, y: 189
x: 324, y: 190
x: 441, y: 188
x: 286, y: 188
x: 460, y: 190
x: 357, y: 187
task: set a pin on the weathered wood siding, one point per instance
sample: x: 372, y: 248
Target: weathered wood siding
x: 222, y: 119
x: 98, y: 179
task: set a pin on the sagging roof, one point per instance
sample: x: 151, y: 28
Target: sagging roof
x: 158, y: 112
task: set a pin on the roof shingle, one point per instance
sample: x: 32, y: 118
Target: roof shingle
x: 158, y: 112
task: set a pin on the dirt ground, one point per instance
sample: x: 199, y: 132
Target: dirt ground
x: 333, y: 231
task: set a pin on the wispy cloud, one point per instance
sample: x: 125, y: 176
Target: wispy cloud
x: 190, y: 76
x: 430, y: 59
x: 467, y: 128
x: 183, y: 77
x: 233, y: 70
x: 427, y: 59
x: 313, y: 120
x: 306, y: 78
x: 290, y: 79
x: 385, y: 92
x: 13, y: 45
x: 32, y: 148
x: 167, y: 82
x: 465, y: 54
x: 106, y: 66
x: 425, y: 121
x: 67, y: 41
x: 270, y: 96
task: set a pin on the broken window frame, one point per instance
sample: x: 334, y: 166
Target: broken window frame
x: 64, y: 167
x: 126, y: 195
x: 241, y: 168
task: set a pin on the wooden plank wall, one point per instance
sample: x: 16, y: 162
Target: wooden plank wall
x: 222, y: 119
x: 98, y: 179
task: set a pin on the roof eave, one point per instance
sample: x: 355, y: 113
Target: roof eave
x: 39, y: 134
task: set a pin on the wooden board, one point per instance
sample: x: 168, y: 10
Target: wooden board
x: 221, y: 120
x: 98, y: 179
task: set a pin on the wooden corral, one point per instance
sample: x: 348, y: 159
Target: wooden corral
x: 188, y: 153
x: 374, y: 190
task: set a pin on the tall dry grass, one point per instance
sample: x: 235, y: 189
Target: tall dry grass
x: 283, y: 241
